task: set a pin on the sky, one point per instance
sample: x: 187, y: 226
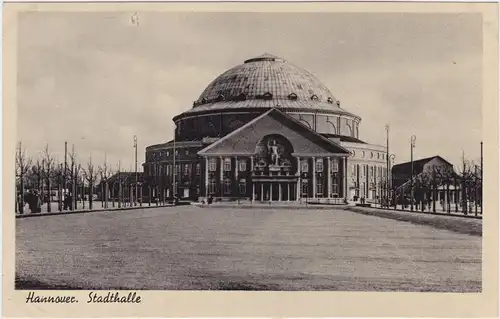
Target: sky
x: 96, y: 79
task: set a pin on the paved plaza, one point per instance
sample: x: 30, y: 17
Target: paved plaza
x: 245, y: 249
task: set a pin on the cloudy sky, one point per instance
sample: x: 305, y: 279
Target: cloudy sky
x: 96, y: 79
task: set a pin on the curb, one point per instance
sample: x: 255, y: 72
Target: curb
x: 82, y: 211
x: 420, y: 213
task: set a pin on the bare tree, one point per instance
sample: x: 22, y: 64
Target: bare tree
x: 49, y: 164
x: 73, y: 178
x: 91, y: 173
x: 35, y: 175
x: 59, y: 180
x: 22, y: 166
x: 104, y: 172
x: 468, y: 176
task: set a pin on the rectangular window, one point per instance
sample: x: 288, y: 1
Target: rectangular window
x: 304, y: 166
x: 186, y: 169
x: 319, y: 165
x: 319, y: 187
x: 227, y: 186
x: 177, y: 169
x: 354, y: 170
x: 212, y: 164
x: 335, y: 186
x: 227, y: 165
x: 243, y: 187
x: 335, y: 165
x: 169, y: 169
x: 198, y: 169
x: 243, y: 165
x: 212, y: 187
x: 305, y: 188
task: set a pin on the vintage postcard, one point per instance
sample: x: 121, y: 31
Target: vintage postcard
x: 250, y: 159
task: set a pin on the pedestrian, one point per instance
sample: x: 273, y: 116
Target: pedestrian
x: 32, y: 202
x: 38, y: 203
x: 20, y: 203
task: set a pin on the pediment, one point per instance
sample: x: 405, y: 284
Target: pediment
x: 244, y: 140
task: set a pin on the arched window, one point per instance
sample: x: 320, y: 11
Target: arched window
x: 227, y: 186
x: 242, y: 187
x: 267, y: 96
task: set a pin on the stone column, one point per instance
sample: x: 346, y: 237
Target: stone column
x: 236, y: 168
x: 261, y: 192
x: 329, y: 177
x: 298, y: 179
x: 221, y: 173
x: 345, y: 174
x: 288, y: 192
x: 270, y: 192
x: 313, y: 177
x: 253, y: 191
x: 207, y: 164
x: 235, y: 186
x: 279, y: 192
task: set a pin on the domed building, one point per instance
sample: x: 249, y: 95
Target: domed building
x: 266, y: 130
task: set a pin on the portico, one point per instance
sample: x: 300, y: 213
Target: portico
x: 257, y: 162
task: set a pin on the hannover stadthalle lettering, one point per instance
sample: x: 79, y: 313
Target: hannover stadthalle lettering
x: 114, y: 297
x: 93, y: 297
x: 32, y: 298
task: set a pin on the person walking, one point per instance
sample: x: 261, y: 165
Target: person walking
x: 20, y: 203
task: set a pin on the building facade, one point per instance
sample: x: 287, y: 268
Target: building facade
x: 266, y: 130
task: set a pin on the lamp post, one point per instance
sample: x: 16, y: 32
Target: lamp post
x: 390, y: 162
x: 174, y: 154
x: 388, y: 166
x: 481, y: 172
x: 412, y: 146
x: 136, y: 179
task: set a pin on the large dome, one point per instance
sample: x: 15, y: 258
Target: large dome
x: 266, y: 81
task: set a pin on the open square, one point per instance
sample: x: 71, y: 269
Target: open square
x: 244, y: 249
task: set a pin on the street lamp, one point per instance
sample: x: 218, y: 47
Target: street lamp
x: 390, y: 162
x: 174, y: 168
x: 481, y: 172
x: 136, y: 179
x: 388, y: 166
x: 412, y: 146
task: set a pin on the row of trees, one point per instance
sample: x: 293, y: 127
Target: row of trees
x: 44, y: 174
x: 454, y: 191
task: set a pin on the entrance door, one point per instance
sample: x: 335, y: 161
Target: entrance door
x: 186, y: 193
